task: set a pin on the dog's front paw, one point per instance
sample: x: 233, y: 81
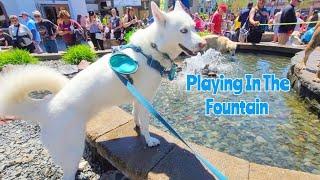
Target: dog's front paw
x: 152, y: 142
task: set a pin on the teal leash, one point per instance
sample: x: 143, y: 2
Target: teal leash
x: 142, y: 100
x: 147, y: 105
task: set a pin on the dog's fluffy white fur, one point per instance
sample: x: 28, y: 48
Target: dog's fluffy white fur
x: 63, y: 115
x: 222, y: 44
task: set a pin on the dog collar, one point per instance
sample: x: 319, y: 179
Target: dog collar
x: 153, y: 63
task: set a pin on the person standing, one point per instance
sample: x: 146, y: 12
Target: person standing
x: 5, y: 39
x: 288, y: 15
x: 244, y: 14
x: 276, y: 21
x: 48, y: 32
x: 313, y: 18
x: 130, y: 20
x: 258, y: 15
x: 94, y: 27
x: 21, y: 35
x: 299, y: 21
x: 115, y: 25
x: 216, y: 19
x: 84, y: 21
x: 35, y: 33
x: 67, y: 28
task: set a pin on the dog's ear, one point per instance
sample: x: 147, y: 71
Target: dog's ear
x: 159, y: 16
x: 178, y: 6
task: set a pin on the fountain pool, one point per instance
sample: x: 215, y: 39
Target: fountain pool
x: 289, y: 137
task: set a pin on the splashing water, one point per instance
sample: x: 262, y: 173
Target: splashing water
x: 289, y: 137
x: 211, y: 57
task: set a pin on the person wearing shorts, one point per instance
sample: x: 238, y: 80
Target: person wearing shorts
x: 288, y: 15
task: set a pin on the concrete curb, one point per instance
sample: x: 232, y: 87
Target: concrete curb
x: 269, y: 48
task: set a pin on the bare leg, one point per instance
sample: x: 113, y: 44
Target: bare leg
x: 313, y: 44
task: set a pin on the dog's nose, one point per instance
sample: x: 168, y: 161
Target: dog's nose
x: 202, y: 44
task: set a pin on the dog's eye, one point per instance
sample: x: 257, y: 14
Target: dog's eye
x: 184, y: 30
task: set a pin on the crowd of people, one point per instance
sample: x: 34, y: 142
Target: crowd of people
x: 36, y: 34
x: 251, y: 22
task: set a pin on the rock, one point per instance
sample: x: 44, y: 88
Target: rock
x: 113, y: 175
x: 7, y: 68
x: 315, y: 171
x: 68, y: 69
x: 179, y: 69
x: 205, y: 70
x: 82, y: 165
x: 260, y: 139
x: 212, y: 74
x: 2, y: 167
x: 83, y: 64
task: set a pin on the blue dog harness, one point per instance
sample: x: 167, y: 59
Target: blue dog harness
x: 127, y: 81
x: 124, y: 64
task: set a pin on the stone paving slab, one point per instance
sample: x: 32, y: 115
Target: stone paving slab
x: 179, y: 164
x: 128, y: 152
x: 182, y: 164
x: 262, y: 172
x: 106, y: 121
x: 231, y: 166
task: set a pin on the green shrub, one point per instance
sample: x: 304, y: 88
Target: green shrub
x: 75, y: 54
x: 16, y: 56
x: 128, y: 35
x: 204, y: 33
x: 204, y: 16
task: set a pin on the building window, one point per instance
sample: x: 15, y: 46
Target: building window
x: 3, y: 17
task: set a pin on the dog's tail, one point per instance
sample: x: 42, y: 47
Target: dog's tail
x: 16, y: 86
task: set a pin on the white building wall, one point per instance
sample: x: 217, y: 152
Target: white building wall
x: 15, y: 7
x: 78, y: 7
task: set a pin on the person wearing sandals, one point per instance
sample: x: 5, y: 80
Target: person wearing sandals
x: 21, y: 35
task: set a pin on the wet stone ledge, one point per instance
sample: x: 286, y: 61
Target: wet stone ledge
x: 113, y: 136
x: 302, y: 81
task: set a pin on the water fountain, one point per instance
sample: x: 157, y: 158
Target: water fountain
x: 288, y: 137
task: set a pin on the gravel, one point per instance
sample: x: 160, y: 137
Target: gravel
x: 22, y: 156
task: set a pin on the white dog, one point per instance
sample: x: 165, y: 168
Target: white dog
x: 62, y: 117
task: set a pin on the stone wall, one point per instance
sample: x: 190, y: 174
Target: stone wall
x: 302, y: 81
